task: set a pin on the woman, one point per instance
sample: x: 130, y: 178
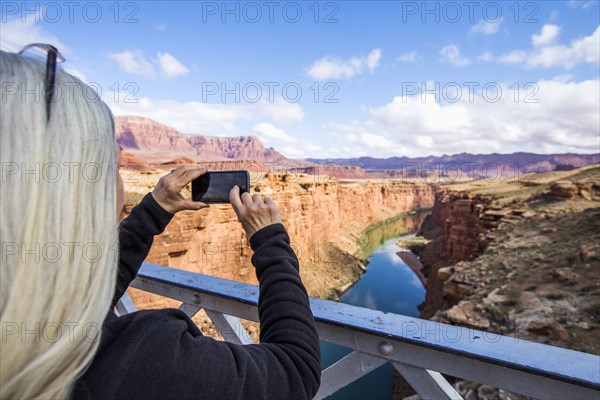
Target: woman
x: 65, y: 263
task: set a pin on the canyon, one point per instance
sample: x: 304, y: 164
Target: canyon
x: 515, y: 253
x: 325, y: 219
x: 519, y: 257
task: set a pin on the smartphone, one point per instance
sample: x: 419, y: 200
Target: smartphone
x: 214, y: 186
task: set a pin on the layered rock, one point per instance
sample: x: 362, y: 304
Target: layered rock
x: 157, y: 142
x: 324, y: 220
x: 460, y: 235
x: 490, y: 253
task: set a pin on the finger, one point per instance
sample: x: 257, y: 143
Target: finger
x: 193, y: 205
x: 269, y: 201
x: 246, y: 198
x: 190, y: 175
x: 257, y: 198
x: 179, y: 171
x: 234, y: 199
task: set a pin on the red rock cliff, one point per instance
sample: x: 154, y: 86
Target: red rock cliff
x: 458, y: 233
x: 158, y: 142
x: 324, y: 220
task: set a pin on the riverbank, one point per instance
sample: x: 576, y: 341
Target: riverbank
x: 412, y: 261
x: 373, y: 236
x: 388, y: 285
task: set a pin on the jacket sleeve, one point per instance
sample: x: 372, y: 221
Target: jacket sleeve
x: 285, y: 365
x: 136, y: 234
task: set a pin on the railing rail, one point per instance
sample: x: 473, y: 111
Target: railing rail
x: 420, y: 350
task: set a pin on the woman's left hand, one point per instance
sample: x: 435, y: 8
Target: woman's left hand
x: 167, y: 192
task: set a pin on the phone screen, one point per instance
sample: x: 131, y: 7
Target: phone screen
x: 214, y: 186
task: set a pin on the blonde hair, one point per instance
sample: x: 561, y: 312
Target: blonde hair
x: 58, y: 229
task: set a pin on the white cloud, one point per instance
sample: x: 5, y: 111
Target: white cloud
x: 487, y: 57
x: 170, y: 67
x: 198, y: 117
x: 303, y: 149
x: 548, y: 35
x: 374, y: 141
x: 487, y: 27
x: 289, y: 145
x: 163, y: 65
x: 16, y: 34
x: 270, y: 132
x: 564, y: 119
x: 281, y: 111
x: 336, y: 68
x: 514, y: 57
x: 410, y: 57
x: 584, y: 50
x: 135, y: 63
x: 585, y: 4
x: 373, y: 59
x: 451, y: 55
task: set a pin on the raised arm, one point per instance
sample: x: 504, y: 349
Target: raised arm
x: 150, y: 218
x: 136, y: 234
x: 286, y: 365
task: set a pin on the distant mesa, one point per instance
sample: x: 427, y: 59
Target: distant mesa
x: 158, y: 143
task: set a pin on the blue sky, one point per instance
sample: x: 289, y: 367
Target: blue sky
x: 171, y: 61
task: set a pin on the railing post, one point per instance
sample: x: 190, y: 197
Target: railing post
x: 229, y: 327
x: 125, y: 305
x: 430, y: 385
x: 346, y: 371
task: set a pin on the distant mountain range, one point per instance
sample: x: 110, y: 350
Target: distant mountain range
x: 153, y: 142
x: 478, y: 163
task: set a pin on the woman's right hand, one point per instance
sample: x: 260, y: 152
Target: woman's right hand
x: 167, y: 192
x: 253, y: 212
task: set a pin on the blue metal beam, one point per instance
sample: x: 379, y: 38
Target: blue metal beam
x: 557, y: 363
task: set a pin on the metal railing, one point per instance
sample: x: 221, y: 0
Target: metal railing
x: 420, y: 350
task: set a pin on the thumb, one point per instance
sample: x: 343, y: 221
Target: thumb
x: 193, y: 205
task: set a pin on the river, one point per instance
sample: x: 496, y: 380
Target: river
x: 387, y: 285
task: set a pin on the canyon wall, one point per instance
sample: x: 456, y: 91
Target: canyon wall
x: 517, y: 258
x: 457, y: 227
x: 324, y: 219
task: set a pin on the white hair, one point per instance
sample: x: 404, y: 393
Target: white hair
x: 58, y: 229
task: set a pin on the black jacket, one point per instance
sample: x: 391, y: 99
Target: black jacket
x: 162, y: 354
